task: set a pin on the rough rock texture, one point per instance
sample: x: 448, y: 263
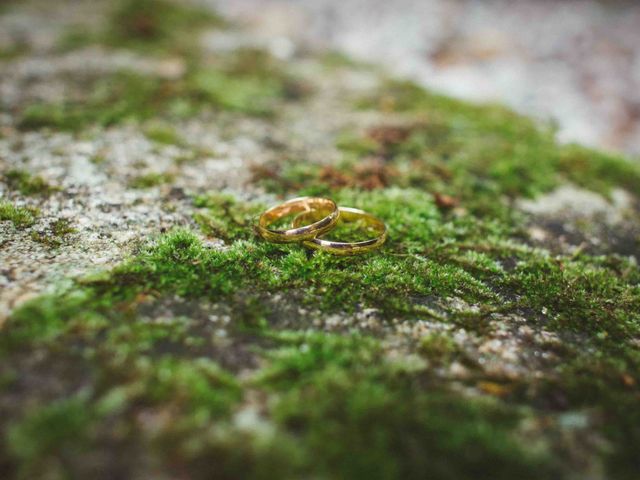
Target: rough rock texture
x: 148, y: 332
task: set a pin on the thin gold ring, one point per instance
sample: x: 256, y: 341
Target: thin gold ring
x: 300, y: 232
x: 348, y: 248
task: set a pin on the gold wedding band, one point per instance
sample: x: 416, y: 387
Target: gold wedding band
x: 347, y: 248
x: 300, y: 232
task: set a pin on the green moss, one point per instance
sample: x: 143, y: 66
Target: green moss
x: 488, y: 149
x: 157, y: 24
x: 248, y: 81
x: 598, y: 171
x: 335, y: 387
x: 43, y: 319
x: 98, y: 159
x: 335, y: 60
x: 51, y: 427
x: 158, y: 27
x: 585, y: 299
x: 14, y: 51
x: 262, y: 266
x: 302, y: 355
x: 426, y: 254
x: 76, y: 37
x: 27, y: 184
x: 163, y: 134
x: 479, y: 157
x: 351, y: 142
x: 331, y: 386
x: 150, y: 180
x: 226, y: 218
x: 21, y: 217
x: 56, y: 233
x: 249, y: 95
x: 110, y: 100
x: 233, y: 83
x: 438, y: 347
x: 199, y: 386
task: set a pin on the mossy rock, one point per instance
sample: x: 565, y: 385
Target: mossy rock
x: 473, y: 344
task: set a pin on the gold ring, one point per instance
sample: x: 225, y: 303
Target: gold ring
x: 302, y: 205
x: 348, y: 248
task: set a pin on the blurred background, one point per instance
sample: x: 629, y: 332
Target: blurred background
x: 572, y: 62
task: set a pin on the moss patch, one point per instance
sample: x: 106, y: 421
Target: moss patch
x: 222, y: 216
x: 229, y: 83
x: 56, y: 233
x: 110, y: 100
x: 27, y: 184
x: 150, y: 180
x: 14, y: 51
x: 347, y: 380
x: 21, y: 217
x: 163, y: 134
x: 142, y: 369
x: 161, y: 25
x: 591, y: 302
x: 375, y: 407
x: 475, y: 156
x: 246, y: 80
x: 157, y: 27
x: 51, y: 427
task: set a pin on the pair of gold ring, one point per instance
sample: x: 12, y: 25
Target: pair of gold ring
x: 316, y: 217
